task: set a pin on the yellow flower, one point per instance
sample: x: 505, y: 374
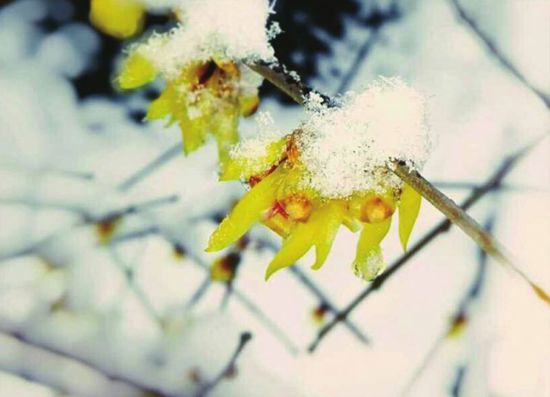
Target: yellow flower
x: 281, y: 199
x: 118, y: 18
x: 205, y: 98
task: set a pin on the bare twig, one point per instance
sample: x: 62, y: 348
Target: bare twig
x: 459, y: 319
x: 88, y: 219
x: 148, y: 168
x: 456, y: 389
x: 492, y: 183
x: 50, y: 170
x: 496, y: 52
x: 323, y: 298
x: 229, y: 367
x: 22, y: 338
x: 25, y: 375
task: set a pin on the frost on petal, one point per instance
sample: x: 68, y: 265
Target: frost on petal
x: 369, y: 262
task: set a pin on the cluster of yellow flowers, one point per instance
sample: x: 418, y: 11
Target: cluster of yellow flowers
x: 207, y: 96
x: 304, y: 218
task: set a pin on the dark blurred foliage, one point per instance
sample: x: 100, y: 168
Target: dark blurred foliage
x: 309, y: 27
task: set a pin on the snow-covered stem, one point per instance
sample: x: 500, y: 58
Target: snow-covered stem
x: 279, y: 76
x: 453, y: 212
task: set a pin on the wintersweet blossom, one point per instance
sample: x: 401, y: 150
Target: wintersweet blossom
x: 118, y: 18
x: 334, y: 170
x: 208, y: 87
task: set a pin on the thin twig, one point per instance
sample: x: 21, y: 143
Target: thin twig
x: 323, y: 298
x: 240, y: 296
x: 28, y: 377
x: 492, y: 183
x: 148, y: 168
x: 229, y: 367
x: 459, y: 319
x: 50, y: 170
x: 88, y: 219
x: 508, y: 188
x: 329, y: 305
x: 22, y: 338
x: 456, y: 389
x: 496, y: 52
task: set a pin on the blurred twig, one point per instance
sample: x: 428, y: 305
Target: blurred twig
x: 320, y: 295
x: 378, y: 19
x: 88, y: 219
x: 50, y: 170
x: 460, y: 317
x: 496, y: 52
x: 229, y: 367
x: 456, y: 389
x: 492, y: 183
x: 148, y: 168
x: 25, y: 375
x: 22, y: 338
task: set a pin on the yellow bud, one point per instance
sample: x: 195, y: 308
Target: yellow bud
x: 298, y: 207
x: 375, y: 209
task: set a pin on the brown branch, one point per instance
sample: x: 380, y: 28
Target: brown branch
x: 287, y: 82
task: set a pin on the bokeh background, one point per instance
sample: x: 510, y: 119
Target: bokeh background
x: 104, y: 286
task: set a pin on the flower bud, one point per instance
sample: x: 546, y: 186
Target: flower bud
x: 375, y: 209
x: 298, y: 207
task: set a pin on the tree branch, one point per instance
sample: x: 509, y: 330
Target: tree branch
x: 288, y: 83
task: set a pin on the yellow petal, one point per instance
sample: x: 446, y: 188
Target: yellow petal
x: 245, y: 167
x: 163, y: 105
x: 333, y: 218
x: 247, y: 212
x: 294, y: 247
x: 193, y: 132
x: 409, y: 207
x: 225, y: 130
x: 136, y: 71
x: 368, y: 261
x: 118, y: 18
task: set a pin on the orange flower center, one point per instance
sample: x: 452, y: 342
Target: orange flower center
x: 297, y: 207
x: 375, y: 209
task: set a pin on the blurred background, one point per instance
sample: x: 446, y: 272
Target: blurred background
x: 104, y: 286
